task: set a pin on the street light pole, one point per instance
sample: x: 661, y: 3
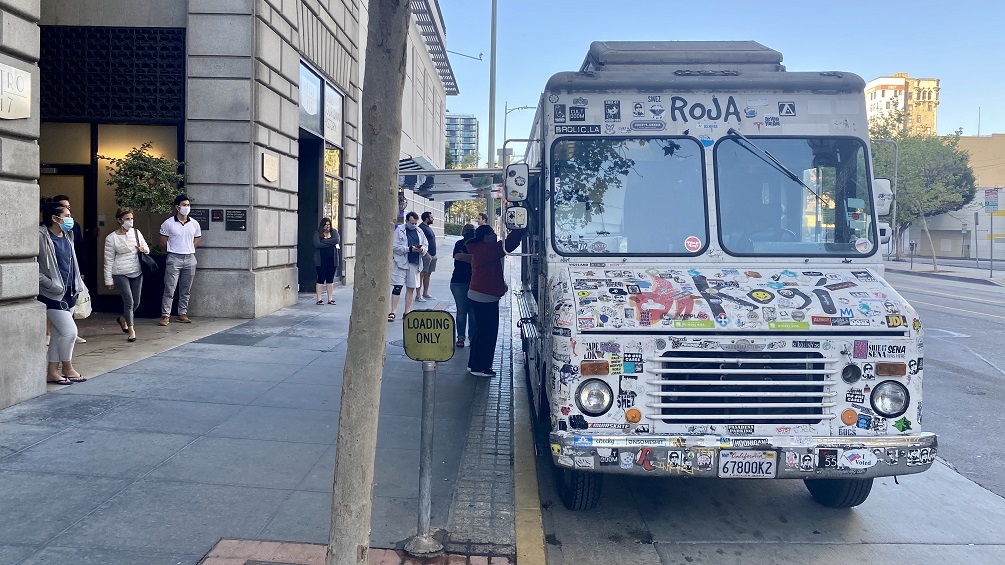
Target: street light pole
x: 506, y: 115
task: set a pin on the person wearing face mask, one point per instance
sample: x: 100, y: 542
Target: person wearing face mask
x: 122, y: 267
x: 59, y: 283
x: 409, y: 246
x: 180, y: 235
x: 487, y: 286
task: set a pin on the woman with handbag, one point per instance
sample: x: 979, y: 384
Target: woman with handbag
x: 59, y: 285
x: 125, y: 253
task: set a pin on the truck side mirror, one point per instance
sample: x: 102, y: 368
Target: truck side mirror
x: 884, y: 232
x: 517, y: 181
x: 883, y: 194
x: 515, y: 217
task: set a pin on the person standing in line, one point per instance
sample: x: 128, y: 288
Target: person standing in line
x: 122, y: 267
x: 79, y: 249
x: 460, y: 281
x: 59, y: 283
x: 180, y: 235
x: 487, y: 287
x: 326, y: 244
x: 483, y: 220
x: 429, y: 259
x: 409, y: 246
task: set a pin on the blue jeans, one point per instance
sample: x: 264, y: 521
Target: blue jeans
x: 465, y: 317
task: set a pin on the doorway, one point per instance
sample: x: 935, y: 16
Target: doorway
x: 310, y: 185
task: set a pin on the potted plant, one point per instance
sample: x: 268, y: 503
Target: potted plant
x: 148, y: 184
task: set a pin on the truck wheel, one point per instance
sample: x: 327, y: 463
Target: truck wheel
x: 579, y: 490
x: 839, y: 493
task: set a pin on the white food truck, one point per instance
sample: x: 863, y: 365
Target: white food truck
x: 703, y: 290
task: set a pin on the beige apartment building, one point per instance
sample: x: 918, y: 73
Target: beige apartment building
x: 918, y: 98
x: 259, y: 98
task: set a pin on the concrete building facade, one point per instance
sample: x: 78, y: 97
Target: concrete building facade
x: 955, y: 234
x: 918, y: 98
x: 259, y: 98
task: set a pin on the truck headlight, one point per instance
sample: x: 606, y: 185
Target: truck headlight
x: 890, y: 399
x: 594, y: 397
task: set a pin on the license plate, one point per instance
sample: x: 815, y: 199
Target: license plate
x: 745, y: 464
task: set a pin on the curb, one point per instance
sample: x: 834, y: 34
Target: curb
x: 958, y: 278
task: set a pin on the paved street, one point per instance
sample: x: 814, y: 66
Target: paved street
x: 232, y: 436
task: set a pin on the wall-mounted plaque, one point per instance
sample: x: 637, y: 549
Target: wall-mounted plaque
x: 217, y: 215
x: 15, y: 93
x: 270, y: 167
x: 237, y: 220
x: 200, y: 215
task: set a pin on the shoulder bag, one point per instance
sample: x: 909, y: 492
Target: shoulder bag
x: 147, y: 264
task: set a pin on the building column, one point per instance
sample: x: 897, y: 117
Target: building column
x: 22, y: 318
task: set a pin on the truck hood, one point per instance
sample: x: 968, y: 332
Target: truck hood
x: 640, y: 298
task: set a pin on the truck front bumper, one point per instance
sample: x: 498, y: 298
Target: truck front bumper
x: 795, y: 457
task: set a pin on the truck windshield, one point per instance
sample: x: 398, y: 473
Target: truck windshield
x: 629, y: 196
x: 763, y: 211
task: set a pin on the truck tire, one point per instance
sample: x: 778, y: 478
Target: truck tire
x: 578, y: 490
x: 839, y: 493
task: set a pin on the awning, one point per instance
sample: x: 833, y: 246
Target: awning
x: 415, y: 164
x: 452, y: 184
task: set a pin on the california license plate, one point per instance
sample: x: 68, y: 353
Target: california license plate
x: 746, y: 464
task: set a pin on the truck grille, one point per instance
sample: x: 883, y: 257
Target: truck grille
x: 761, y: 387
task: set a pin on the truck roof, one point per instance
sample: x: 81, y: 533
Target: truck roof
x: 693, y: 66
x: 695, y: 55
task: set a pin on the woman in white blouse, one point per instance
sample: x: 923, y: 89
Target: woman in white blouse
x: 122, y: 267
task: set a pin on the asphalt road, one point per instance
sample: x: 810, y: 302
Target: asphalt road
x: 940, y: 516
x: 964, y: 372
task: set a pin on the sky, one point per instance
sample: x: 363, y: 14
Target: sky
x: 962, y: 43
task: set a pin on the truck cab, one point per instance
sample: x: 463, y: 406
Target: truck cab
x: 703, y: 291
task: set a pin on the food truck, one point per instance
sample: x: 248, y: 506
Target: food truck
x: 703, y: 291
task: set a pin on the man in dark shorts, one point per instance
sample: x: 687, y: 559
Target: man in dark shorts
x: 428, y: 260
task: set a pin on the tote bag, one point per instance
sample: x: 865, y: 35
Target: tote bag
x: 82, y: 308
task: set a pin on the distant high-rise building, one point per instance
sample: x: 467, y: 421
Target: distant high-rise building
x: 462, y: 135
x: 918, y: 98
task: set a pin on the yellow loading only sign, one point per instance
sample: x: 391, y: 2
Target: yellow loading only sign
x: 429, y: 335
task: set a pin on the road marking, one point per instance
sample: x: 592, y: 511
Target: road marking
x: 950, y: 332
x: 953, y: 296
x: 958, y: 309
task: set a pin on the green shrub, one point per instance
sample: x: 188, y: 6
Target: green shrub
x: 452, y: 229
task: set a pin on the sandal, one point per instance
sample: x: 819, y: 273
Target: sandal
x: 320, y: 302
x: 331, y: 302
x: 62, y: 381
x: 460, y: 342
x: 390, y: 317
x: 78, y: 379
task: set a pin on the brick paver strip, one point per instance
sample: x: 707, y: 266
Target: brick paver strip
x: 482, y: 514
x: 251, y: 552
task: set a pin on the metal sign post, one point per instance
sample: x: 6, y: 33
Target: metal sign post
x: 991, y: 206
x: 429, y: 337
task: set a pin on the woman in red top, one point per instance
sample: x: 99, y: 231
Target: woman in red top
x: 487, y: 287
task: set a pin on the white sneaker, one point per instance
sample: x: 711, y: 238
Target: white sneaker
x: 80, y: 340
x: 419, y: 299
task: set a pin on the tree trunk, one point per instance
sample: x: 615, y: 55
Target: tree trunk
x: 924, y: 226
x: 383, y: 81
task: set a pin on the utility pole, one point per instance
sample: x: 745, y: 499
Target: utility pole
x: 490, y: 197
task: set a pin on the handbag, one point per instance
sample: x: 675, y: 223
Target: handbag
x: 147, y: 264
x: 82, y: 308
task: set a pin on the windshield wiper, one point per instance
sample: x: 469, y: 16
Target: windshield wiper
x: 770, y: 159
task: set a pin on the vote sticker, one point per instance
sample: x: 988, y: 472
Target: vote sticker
x: 863, y: 245
x: 692, y: 244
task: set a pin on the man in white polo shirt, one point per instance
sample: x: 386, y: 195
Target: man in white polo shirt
x: 180, y: 235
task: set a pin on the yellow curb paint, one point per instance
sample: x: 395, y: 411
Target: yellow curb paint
x: 530, y: 548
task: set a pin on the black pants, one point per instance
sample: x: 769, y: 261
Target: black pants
x: 483, y: 345
x: 326, y: 271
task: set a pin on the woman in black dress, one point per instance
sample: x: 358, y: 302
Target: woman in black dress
x: 326, y: 247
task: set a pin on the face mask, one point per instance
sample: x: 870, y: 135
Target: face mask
x: 410, y: 226
x: 185, y: 210
x: 67, y: 224
x: 128, y: 224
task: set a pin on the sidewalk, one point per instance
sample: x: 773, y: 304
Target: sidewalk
x: 224, y: 429
x: 949, y: 269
